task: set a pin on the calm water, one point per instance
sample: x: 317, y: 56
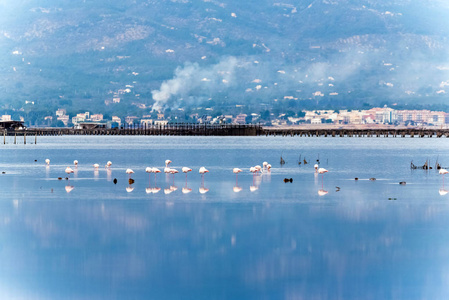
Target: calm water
x: 272, y: 240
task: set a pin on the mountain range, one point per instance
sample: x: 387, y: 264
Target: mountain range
x: 170, y: 54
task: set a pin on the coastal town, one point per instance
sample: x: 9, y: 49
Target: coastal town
x: 374, y: 116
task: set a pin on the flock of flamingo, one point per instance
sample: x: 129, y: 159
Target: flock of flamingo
x: 265, y: 168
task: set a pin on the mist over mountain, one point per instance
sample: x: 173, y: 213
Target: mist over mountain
x: 80, y: 54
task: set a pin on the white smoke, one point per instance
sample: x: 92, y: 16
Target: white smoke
x: 192, y: 79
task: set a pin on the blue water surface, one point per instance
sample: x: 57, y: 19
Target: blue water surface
x: 222, y: 237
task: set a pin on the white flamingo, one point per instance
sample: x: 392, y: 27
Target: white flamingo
x: 69, y: 170
x: 129, y: 172
x: 322, y: 171
x: 442, y: 172
x: 236, y: 171
x: 47, y: 161
x: 202, y: 171
x: 186, y: 170
x: 75, y: 162
x: 155, y: 171
x: 149, y: 170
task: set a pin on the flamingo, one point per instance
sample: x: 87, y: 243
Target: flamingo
x: 167, y: 162
x: 268, y: 167
x: 442, y: 172
x: 264, y: 164
x: 149, y: 171
x: 316, y: 167
x: 129, y: 172
x: 69, y: 170
x: 322, y: 171
x: 109, y: 164
x: 258, y: 168
x: 75, y: 162
x: 155, y: 171
x: 129, y: 189
x: 236, y: 171
x: 173, y: 172
x: 253, y: 170
x: 186, y: 170
x: 47, y: 161
x: 202, y: 171
x: 96, y: 166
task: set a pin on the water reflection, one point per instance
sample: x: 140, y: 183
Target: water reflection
x: 322, y: 192
x: 186, y: 190
x: 253, y: 188
x: 279, y: 243
x: 237, y: 189
x: 442, y: 191
x: 69, y: 188
x: 203, y: 190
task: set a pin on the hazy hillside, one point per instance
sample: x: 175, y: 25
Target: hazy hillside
x: 80, y: 53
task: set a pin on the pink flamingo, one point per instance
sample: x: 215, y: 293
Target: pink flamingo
x: 202, y: 171
x: 129, y: 172
x: 149, y: 171
x: 442, y: 172
x: 186, y: 170
x: 69, y: 170
x: 173, y: 172
x: 322, y: 171
x: 155, y: 171
x: 236, y: 171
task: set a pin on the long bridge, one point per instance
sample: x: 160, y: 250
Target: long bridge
x: 185, y: 129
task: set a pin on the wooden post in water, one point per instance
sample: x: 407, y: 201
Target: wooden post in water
x: 15, y: 136
x: 24, y: 138
x: 4, y: 136
x: 35, y: 138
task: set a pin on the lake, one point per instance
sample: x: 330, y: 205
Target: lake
x: 252, y: 237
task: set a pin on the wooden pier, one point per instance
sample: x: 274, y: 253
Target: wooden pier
x: 341, y: 132
x: 184, y: 129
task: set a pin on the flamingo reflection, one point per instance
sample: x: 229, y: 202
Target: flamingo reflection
x: 253, y: 188
x: 236, y: 171
x: 322, y: 192
x: 237, y: 189
x: 69, y: 188
x: 155, y: 190
x: 203, y: 190
x: 186, y: 190
x: 443, y: 192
